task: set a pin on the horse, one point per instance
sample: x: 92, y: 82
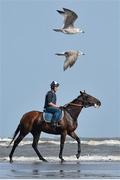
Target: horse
x: 33, y: 122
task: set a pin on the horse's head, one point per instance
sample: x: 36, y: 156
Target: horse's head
x: 88, y: 100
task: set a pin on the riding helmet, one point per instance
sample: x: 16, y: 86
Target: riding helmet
x: 54, y: 84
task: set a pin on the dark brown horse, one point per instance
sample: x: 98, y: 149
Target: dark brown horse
x: 32, y: 122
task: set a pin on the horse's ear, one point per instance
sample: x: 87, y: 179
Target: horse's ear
x: 81, y: 92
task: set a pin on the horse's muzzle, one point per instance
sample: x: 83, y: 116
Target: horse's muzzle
x: 97, y: 105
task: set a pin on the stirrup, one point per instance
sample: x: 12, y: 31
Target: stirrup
x: 59, y: 125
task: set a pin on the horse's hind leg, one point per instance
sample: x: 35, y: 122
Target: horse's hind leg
x: 35, y: 144
x: 16, y: 142
x: 74, y: 136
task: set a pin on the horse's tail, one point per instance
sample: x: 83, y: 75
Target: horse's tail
x: 15, y: 134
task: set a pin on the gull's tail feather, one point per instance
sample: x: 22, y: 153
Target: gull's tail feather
x: 57, y: 30
x: 60, y: 54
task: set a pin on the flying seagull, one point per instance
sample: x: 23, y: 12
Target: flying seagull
x: 69, y: 19
x: 71, y: 58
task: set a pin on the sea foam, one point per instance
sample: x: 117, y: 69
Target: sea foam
x: 67, y: 158
x: 109, y: 142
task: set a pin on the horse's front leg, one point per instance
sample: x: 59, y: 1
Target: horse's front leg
x: 62, y: 141
x: 74, y: 136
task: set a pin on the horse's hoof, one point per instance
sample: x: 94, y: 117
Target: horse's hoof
x: 62, y: 160
x: 77, y: 156
x: 44, y: 160
x: 11, y: 161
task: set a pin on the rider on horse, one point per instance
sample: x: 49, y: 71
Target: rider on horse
x: 50, y: 104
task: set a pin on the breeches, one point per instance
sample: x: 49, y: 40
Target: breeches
x: 56, y: 113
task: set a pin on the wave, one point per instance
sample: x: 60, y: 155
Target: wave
x: 102, y: 142
x: 91, y: 142
x: 67, y: 158
x: 6, y: 141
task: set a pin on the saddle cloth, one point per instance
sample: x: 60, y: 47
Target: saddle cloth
x: 48, y: 116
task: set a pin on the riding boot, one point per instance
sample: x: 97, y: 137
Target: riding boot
x: 53, y: 124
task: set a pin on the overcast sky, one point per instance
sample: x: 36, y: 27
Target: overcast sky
x: 28, y: 64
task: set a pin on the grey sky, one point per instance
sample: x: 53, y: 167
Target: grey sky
x: 28, y: 63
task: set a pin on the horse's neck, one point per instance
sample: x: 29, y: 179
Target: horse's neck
x: 74, y: 110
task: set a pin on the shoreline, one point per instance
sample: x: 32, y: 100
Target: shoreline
x: 53, y: 159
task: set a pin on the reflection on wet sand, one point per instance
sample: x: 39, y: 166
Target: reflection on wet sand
x: 58, y: 170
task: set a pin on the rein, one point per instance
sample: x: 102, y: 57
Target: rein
x: 76, y: 104
x: 75, y: 114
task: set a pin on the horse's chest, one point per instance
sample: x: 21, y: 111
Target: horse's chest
x: 72, y: 126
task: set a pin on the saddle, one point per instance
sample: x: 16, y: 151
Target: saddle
x: 48, y: 116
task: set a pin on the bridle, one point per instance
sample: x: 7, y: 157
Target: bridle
x: 78, y: 105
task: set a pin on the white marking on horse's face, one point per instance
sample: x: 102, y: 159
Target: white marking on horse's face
x: 96, y: 106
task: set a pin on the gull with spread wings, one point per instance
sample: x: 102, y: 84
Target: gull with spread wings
x: 71, y: 58
x: 69, y: 19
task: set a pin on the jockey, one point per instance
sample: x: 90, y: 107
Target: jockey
x: 50, y: 104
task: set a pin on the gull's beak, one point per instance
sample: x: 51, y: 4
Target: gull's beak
x: 81, y: 31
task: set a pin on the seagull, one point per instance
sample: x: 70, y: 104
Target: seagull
x: 69, y: 19
x: 71, y: 58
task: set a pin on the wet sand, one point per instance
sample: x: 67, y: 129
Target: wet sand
x: 54, y: 170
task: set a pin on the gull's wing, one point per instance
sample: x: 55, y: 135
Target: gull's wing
x: 74, y: 58
x: 66, y: 63
x: 69, y: 17
x: 64, y: 15
x: 70, y: 59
